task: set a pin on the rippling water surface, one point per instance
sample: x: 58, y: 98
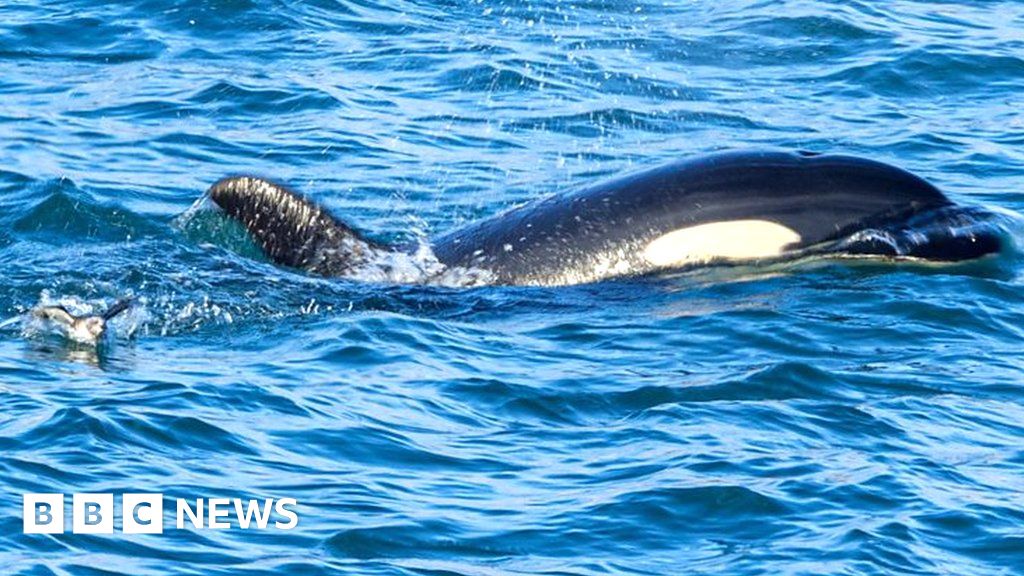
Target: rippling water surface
x: 828, y: 418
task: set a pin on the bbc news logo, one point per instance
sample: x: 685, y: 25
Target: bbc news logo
x: 144, y: 513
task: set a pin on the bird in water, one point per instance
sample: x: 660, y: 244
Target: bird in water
x: 85, y: 329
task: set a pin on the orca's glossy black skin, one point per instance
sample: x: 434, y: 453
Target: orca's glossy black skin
x: 828, y: 200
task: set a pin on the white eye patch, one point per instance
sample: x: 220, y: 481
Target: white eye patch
x: 730, y: 240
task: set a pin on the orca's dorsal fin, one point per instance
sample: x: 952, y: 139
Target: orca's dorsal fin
x: 291, y: 230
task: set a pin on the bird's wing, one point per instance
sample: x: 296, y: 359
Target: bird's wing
x: 55, y: 313
x: 118, y: 307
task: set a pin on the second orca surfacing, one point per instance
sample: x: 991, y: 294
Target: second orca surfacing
x: 745, y: 206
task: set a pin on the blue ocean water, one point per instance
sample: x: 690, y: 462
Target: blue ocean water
x: 827, y: 418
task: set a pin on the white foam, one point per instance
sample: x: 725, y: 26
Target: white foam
x: 417, y: 267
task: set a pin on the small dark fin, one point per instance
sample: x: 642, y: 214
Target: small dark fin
x: 292, y: 230
x: 118, y: 307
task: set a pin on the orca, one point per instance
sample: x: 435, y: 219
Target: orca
x: 726, y: 207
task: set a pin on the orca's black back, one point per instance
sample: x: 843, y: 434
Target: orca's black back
x: 820, y: 197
